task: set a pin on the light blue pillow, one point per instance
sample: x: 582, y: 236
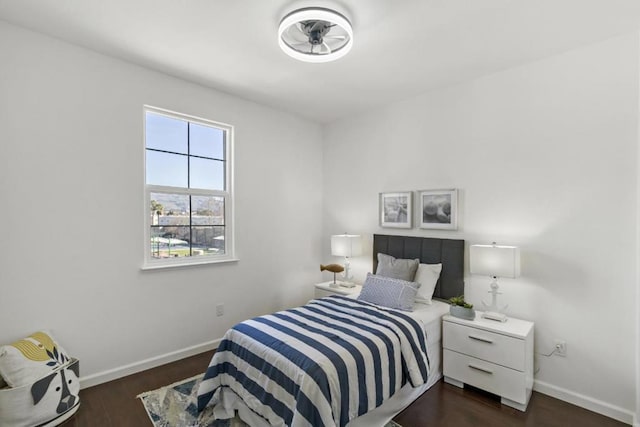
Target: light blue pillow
x: 397, y: 268
x: 389, y: 292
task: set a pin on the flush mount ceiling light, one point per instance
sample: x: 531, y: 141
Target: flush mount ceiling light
x: 315, y: 35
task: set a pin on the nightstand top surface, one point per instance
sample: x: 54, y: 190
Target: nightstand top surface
x: 339, y: 289
x: 513, y: 327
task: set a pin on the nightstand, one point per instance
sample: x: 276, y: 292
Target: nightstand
x: 493, y: 356
x: 325, y: 289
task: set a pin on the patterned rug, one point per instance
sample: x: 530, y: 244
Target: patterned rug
x: 175, y: 405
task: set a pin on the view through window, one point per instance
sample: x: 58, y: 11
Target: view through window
x: 187, y: 188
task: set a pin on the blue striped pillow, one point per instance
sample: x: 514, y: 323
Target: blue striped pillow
x: 389, y: 292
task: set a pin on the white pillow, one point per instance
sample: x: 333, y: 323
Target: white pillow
x: 427, y: 275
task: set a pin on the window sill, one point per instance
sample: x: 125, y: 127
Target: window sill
x: 163, y: 266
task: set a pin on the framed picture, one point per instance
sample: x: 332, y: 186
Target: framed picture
x: 396, y: 209
x: 439, y: 209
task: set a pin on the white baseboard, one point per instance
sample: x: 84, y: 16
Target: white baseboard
x: 143, y: 365
x: 586, y: 402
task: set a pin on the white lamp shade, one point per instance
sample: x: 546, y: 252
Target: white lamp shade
x: 348, y: 245
x: 493, y: 260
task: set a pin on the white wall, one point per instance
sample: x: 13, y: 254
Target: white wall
x: 71, y: 186
x: 545, y: 157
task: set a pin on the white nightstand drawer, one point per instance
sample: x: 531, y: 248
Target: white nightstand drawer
x: 497, y: 348
x: 508, y: 383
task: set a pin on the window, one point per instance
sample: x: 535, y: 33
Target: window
x: 188, y: 214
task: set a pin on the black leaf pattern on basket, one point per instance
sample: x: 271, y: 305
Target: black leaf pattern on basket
x: 57, y: 358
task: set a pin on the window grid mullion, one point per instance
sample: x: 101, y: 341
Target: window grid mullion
x: 189, y: 186
x: 190, y: 225
x: 189, y: 157
x: 157, y: 150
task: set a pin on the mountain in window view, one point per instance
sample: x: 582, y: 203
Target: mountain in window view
x: 178, y: 204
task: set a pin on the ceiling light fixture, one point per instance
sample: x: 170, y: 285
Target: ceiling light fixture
x: 315, y: 34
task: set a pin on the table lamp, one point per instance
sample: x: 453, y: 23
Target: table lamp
x: 346, y: 245
x: 494, y: 261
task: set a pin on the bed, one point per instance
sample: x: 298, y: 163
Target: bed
x: 336, y: 361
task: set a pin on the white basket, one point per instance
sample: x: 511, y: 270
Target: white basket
x: 47, y: 402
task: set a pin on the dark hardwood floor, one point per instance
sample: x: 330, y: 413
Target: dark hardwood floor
x: 115, y: 404
x: 444, y: 405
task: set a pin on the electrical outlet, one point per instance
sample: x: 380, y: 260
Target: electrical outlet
x: 561, y: 347
x: 219, y: 310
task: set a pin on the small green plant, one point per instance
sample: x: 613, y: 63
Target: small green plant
x: 460, y: 301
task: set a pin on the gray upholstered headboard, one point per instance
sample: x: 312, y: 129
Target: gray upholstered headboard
x: 428, y: 250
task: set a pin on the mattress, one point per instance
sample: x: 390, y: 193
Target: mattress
x: 431, y: 317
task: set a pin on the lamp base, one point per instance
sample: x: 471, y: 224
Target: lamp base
x: 492, y: 315
x: 347, y: 284
x: 494, y: 308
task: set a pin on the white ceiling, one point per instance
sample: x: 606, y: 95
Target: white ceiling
x: 401, y: 47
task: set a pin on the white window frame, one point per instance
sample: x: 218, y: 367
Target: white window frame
x: 229, y: 255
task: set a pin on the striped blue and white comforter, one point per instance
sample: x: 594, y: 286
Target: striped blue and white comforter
x: 322, y: 364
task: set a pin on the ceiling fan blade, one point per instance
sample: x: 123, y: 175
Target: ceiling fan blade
x: 335, y: 37
x: 296, y: 34
x: 317, y: 25
x: 326, y: 47
x: 302, y: 47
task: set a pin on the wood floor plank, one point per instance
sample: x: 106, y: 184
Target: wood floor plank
x: 445, y: 405
x: 114, y: 404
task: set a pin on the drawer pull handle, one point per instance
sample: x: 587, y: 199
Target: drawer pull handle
x: 478, y: 368
x: 487, y: 340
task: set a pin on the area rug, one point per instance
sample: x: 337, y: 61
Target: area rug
x: 175, y: 405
